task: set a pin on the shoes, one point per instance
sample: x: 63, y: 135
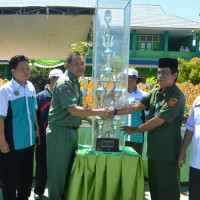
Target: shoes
x: 37, y: 196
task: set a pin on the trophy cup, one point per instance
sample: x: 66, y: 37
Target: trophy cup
x: 101, y: 93
x: 108, y: 42
x: 116, y: 91
x: 110, y: 59
x: 108, y: 142
x: 100, y: 126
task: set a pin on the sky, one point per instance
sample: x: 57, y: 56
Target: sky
x: 188, y: 9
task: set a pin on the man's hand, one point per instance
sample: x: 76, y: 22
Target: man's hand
x: 37, y: 136
x: 103, y: 113
x: 181, y: 159
x: 129, y: 130
x: 110, y: 112
x: 4, y: 146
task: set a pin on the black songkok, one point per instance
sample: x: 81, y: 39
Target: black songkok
x: 168, y: 62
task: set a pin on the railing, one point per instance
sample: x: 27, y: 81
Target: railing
x: 154, y: 55
x: 185, y: 55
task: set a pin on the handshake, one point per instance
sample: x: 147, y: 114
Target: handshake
x: 106, y: 113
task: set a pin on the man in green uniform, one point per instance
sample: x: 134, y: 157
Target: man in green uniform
x: 64, y: 119
x: 166, y: 107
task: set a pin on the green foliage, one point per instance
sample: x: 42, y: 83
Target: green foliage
x: 151, y: 80
x: 39, y: 77
x: 132, y: 67
x: 81, y: 47
x: 197, y: 32
x: 189, y: 71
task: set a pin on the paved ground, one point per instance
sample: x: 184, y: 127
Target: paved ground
x: 184, y: 192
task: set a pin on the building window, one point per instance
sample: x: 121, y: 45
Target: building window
x: 155, y: 39
x: 137, y: 38
x: 146, y: 42
x: 143, y: 38
x: 149, y: 38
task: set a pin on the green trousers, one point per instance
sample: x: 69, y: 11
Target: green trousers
x: 164, y: 180
x: 61, y: 147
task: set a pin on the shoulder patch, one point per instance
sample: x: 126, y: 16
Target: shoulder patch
x: 172, y: 102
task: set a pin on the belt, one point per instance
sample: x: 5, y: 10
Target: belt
x: 73, y: 127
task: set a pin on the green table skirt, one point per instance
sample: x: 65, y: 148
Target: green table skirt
x: 85, y: 138
x: 98, y: 176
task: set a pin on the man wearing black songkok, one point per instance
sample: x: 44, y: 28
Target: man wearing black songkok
x: 166, y: 108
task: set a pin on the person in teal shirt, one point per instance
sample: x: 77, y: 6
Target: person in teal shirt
x: 134, y: 94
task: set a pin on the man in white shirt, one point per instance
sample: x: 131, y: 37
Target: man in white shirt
x: 192, y: 133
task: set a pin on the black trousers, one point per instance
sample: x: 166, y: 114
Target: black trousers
x: 17, y: 173
x: 138, y: 147
x: 41, y: 167
x: 0, y: 170
x: 194, y: 184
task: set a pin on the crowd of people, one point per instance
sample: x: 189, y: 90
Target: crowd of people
x: 50, y: 120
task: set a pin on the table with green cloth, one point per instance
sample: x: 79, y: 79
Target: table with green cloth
x: 107, y: 176
x: 85, y: 138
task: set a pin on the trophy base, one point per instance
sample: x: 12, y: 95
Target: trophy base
x: 107, y: 144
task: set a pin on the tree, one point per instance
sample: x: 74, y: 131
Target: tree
x: 197, y: 32
x: 189, y: 71
x: 39, y: 77
x: 81, y: 47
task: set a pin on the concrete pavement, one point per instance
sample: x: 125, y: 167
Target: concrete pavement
x: 184, y: 192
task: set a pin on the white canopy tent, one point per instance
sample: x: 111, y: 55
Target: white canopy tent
x: 42, y: 30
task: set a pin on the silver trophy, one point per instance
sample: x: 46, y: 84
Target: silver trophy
x: 101, y: 93
x: 108, y: 55
x: 100, y: 126
x: 116, y: 91
x: 115, y: 123
x: 107, y: 42
x: 107, y: 141
x: 110, y: 58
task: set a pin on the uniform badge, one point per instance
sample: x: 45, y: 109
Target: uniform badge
x: 172, y: 102
x: 68, y: 92
x: 16, y: 93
